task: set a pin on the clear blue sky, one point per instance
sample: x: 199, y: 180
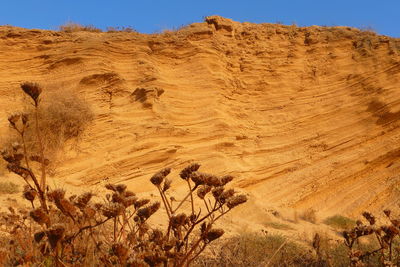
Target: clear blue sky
x: 151, y: 16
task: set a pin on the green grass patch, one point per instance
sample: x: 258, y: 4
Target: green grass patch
x: 340, y: 222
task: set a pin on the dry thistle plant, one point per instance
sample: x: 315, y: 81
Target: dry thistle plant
x: 76, y: 231
x: 387, y: 236
x: 18, y: 159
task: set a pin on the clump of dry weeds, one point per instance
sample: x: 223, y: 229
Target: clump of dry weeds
x: 61, y: 116
x: 76, y: 27
x: 386, y: 246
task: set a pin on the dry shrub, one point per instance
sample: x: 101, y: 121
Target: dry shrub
x: 79, y: 231
x: 365, y: 42
x: 252, y: 249
x: 329, y: 252
x: 63, y: 115
x: 383, y: 241
x: 76, y: 27
x: 8, y: 188
x: 309, y: 215
x: 121, y: 29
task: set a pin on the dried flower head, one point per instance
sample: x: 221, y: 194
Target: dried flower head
x: 212, y: 180
x: 82, y: 200
x: 236, y: 200
x: 39, y: 236
x: 25, y: 118
x: 33, y: 90
x: 39, y: 216
x: 12, y: 158
x: 128, y: 193
x: 66, y: 207
x: 13, y: 119
x: 226, y: 195
x: 55, y: 233
x: 146, y: 212
x: 113, y: 210
x: 370, y: 218
x: 186, y: 172
x: 111, y: 187
x: 387, y: 212
x: 226, y: 179
x: 179, y: 220
x: 120, y: 188
x: 21, y: 171
x: 167, y: 184
x: 217, y: 191
x: 29, y: 193
x: 141, y: 203
x: 390, y: 231
x: 159, y: 177
x: 198, y: 178
x: 213, y: 234
x: 117, y: 198
x: 56, y: 195
x: 129, y: 201
x: 203, y: 191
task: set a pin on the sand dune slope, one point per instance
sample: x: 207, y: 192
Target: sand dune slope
x: 300, y: 116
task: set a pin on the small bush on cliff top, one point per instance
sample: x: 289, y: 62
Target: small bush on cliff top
x: 76, y: 27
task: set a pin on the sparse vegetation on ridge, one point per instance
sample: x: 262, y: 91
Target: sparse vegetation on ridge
x: 76, y: 27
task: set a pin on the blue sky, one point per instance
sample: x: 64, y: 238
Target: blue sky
x: 151, y: 16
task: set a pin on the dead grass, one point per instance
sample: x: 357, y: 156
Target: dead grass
x: 8, y: 188
x: 252, y: 249
x: 63, y: 115
x: 309, y: 215
x: 3, y: 168
x: 373, y: 244
x: 121, y: 29
x: 76, y: 27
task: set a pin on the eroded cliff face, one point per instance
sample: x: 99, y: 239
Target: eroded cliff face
x: 302, y: 117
